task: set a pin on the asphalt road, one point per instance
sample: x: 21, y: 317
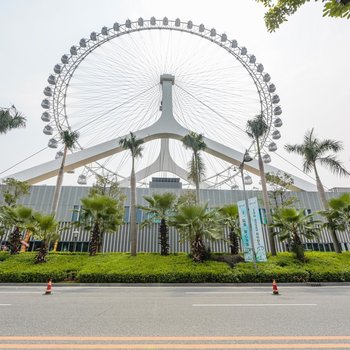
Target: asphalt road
x: 174, y: 317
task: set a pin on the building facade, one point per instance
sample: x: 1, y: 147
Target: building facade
x: 75, y: 239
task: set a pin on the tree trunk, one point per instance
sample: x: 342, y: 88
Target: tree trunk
x: 297, y: 248
x: 198, y: 249
x: 40, y: 258
x: 163, y: 238
x: 57, y: 193
x: 133, y: 228
x: 197, y: 179
x: 94, y: 239
x: 266, y: 202
x: 14, y: 242
x: 320, y: 189
x: 234, y: 245
x: 332, y: 231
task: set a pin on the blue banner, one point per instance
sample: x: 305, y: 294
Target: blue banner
x: 243, y: 221
x: 257, y: 230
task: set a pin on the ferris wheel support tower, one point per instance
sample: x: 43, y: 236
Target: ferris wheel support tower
x: 166, y: 127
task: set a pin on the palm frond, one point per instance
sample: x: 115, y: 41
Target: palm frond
x: 334, y: 165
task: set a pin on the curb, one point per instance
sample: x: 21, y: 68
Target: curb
x: 128, y: 285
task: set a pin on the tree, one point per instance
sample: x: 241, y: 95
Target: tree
x: 279, y: 10
x: 13, y: 190
x: 280, y: 184
x: 292, y: 224
x: 99, y: 214
x: 314, y: 152
x: 10, y: 119
x: 108, y: 186
x: 46, y: 231
x: 231, y: 219
x: 187, y: 197
x: 21, y: 218
x: 196, y: 173
x: 134, y: 145
x: 341, y: 205
x: 337, y: 217
x: 196, y: 223
x: 160, y: 207
x: 69, y: 140
x: 257, y: 129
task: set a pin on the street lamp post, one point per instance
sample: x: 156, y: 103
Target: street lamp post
x: 75, y: 237
x: 248, y: 158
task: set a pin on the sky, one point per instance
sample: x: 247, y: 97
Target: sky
x: 307, y: 57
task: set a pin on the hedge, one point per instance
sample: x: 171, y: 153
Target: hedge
x: 175, y: 268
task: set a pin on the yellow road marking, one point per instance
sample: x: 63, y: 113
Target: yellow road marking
x: 177, y: 338
x: 175, y: 346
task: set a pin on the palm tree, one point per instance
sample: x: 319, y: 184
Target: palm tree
x: 231, y: 219
x: 160, y: 207
x: 100, y: 214
x: 46, y: 231
x: 196, y: 223
x: 21, y: 218
x: 337, y: 217
x: 342, y: 206
x: 292, y: 224
x: 313, y: 152
x: 134, y: 145
x: 257, y: 129
x: 69, y: 139
x: 196, y: 166
x: 10, y: 118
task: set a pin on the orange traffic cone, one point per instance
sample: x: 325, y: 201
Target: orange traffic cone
x: 274, y: 287
x: 49, y: 287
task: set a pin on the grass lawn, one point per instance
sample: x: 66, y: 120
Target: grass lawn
x: 175, y: 268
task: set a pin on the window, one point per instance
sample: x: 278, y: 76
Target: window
x: 76, y: 213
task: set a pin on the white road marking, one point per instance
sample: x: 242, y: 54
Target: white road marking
x: 19, y: 292
x: 5, y: 304
x: 226, y: 305
x: 227, y: 292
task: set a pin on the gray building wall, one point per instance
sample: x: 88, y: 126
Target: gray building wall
x: 40, y: 198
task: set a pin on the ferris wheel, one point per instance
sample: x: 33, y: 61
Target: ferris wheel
x: 160, y: 79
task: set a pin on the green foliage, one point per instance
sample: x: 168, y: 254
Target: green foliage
x: 13, y: 190
x: 133, y: 145
x: 188, y: 197
x: 46, y: 231
x: 175, y: 268
x: 313, y: 150
x: 108, y: 186
x: 280, y: 183
x: 280, y: 10
x: 69, y: 138
x: 10, y: 118
x: 231, y: 219
x: 339, y: 208
x: 100, y: 214
x: 291, y: 225
x: 257, y: 129
x: 196, y: 167
x: 195, y: 223
x: 161, y: 206
x: 19, y: 218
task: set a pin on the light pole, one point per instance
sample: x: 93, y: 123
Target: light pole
x: 248, y: 158
x: 75, y: 237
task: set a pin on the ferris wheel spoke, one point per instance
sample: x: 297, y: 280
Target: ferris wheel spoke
x: 111, y: 85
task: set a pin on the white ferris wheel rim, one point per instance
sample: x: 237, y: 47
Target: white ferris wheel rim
x: 64, y: 72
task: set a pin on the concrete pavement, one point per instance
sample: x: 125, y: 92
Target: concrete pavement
x: 321, y: 313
